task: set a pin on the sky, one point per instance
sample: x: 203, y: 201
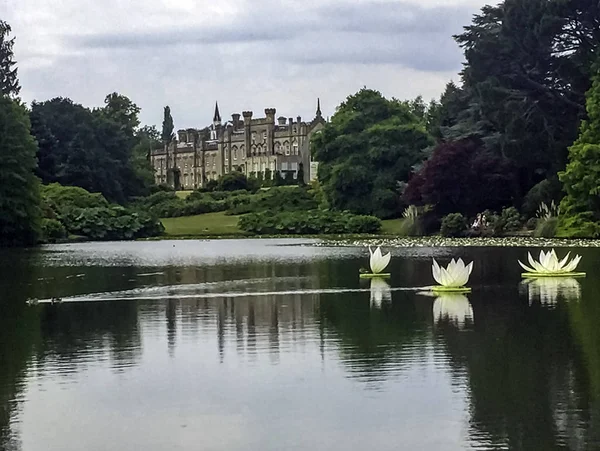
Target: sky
x: 245, y: 54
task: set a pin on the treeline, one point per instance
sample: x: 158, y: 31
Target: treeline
x: 503, y: 138
x: 57, y: 144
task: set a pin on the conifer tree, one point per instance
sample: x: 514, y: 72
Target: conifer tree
x: 9, y: 84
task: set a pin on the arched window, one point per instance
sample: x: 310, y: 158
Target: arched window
x: 243, y: 151
x: 234, y: 152
x: 286, y: 146
x: 294, y: 147
x: 277, y: 147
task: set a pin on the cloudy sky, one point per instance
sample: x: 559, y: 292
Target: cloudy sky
x: 247, y: 54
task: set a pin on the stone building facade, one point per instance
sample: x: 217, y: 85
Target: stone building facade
x: 254, y: 146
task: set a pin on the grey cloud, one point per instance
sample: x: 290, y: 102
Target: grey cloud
x: 267, y: 24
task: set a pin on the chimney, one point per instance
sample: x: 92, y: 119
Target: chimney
x: 299, y: 119
x: 236, y: 120
x: 291, y: 120
x: 281, y: 120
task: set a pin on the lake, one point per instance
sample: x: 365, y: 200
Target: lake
x: 277, y: 345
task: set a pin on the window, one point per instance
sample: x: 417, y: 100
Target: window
x: 287, y: 147
x: 284, y: 166
x: 295, y: 148
x: 264, y: 136
x: 294, y: 166
x: 253, y: 137
x: 295, y: 130
x: 235, y: 153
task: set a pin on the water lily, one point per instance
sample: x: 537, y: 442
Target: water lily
x: 379, y: 261
x: 548, y: 289
x: 380, y: 291
x: 456, y: 275
x: 454, y: 307
x: 549, y: 264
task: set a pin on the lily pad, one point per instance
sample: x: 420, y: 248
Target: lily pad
x: 441, y: 289
x: 375, y: 276
x: 535, y: 275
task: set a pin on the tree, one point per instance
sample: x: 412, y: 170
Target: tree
x: 19, y: 188
x: 526, y: 72
x: 580, y: 208
x: 301, y: 174
x: 168, y: 137
x: 78, y: 147
x: 121, y: 110
x: 369, y: 146
x: 462, y: 177
x: 9, y: 83
x: 232, y: 182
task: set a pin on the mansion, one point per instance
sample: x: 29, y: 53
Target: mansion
x: 257, y: 147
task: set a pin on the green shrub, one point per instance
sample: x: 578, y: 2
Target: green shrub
x: 63, y: 197
x: 546, y: 191
x: 546, y: 228
x: 310, y: 222
x: 532, y: 223
x: 508, y: 221
x: 233, y: 181
x: 52, y: 230
x: 276, y: 199
x: 112, y: 223
x: 453, y: 225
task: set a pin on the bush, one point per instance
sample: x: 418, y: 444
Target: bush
x: 546, y: 228
x: 52, y: 230
x: 64, y: 197
x: 532, y: 223
x: 276, y: 199
x: 546, y: 191
x: 453, y: 225
x: 508, y: 221
x: 112, y: 223
x: 76, y: 211
x: 233, y: 181
x: 310, y: 222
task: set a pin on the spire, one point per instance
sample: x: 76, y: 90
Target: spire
x: 318, y: 107
x: 217, y: 117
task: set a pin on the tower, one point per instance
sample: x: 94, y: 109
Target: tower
x: 216, y: 123
x: 319, y: 114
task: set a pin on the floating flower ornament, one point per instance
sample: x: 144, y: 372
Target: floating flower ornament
x: 380, y: 291
x: 452, y: 278
x: 454, y: 307
x: 549, y: 289
x: 550, y: 266
x: 378, y: 263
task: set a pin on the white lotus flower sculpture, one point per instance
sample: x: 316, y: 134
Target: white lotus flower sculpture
x: 550, y: 266
x: 452, y: 278
x: 454, y: 307
x: 378, y: 263
x: 548, y: 289
x: 380, y: 291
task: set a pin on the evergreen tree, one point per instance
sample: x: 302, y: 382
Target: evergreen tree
x: 167, y: 137
x: 580, y: 208
x: 9, y: 84
x: 19, y: 187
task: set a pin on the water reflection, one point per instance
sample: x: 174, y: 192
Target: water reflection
x: 454, y: 308
x: 548, y: 290
x: 276, y: 354
x: 380, y: 292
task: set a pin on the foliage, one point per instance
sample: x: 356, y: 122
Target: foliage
x: 307, y: 223
x: 411, y: 224
x: 547, y: 191
x: 233, y: 181
x: 546, y: 227
x: 19, y: 188
x: 167, y: 135
x: 52, y: 230
x: 110, y: 223
x: 546, y: 212
x: 509, y: 220
x: 300, y: 175
x: 276, y: 199
x: 527, y: 67
x: 9, y: 83
x: 370, y: 144
x: 62, y: 197
x: 78, y: 147
x: 581, y: 178
x: 461, y: 176
x: 121, y: 110
x: 91, y: 215
x: 453, y: 225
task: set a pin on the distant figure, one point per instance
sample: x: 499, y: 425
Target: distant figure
x: 478, y: 222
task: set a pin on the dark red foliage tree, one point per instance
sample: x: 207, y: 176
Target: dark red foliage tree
x: 462, y: 177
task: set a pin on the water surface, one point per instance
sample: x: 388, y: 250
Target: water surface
x: 277, y: 345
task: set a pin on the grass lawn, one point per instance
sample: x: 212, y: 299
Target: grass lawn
x: 183, y: 194
x: 391, y: 226
x: 213, y: 224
